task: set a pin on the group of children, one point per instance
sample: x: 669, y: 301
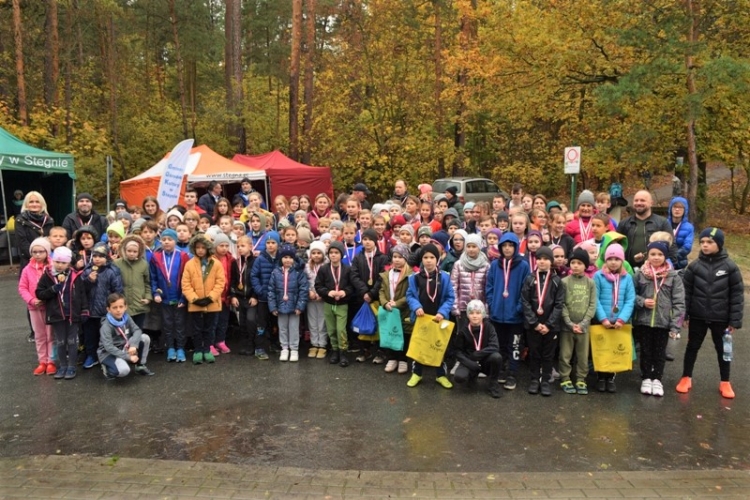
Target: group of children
x: 518, y: 287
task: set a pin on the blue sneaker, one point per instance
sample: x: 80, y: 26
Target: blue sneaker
x: 261, y: 354
x: 60, y: 373
x: 90, y: 362
x: 180, y: 355
x: 70, y: 373
x: 171, y: 354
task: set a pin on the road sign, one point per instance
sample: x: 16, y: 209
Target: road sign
x: 573, y: 160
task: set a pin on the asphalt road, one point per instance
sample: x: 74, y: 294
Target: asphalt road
x: 313, y: 415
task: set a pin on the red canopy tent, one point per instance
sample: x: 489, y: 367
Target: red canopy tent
x: 288, y: 177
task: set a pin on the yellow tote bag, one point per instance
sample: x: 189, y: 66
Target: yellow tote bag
x: 429, y: 340
x: 611, y: 348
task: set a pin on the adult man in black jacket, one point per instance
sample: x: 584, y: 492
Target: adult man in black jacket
x: 85, y: 215
x: 639, y: 227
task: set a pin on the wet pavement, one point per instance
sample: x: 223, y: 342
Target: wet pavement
x: 315, y: 416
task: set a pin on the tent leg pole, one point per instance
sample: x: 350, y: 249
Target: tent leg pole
x: 5, y: 211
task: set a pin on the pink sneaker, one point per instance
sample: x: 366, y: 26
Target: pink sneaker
x: 214, y: 351
x: 222, y: 347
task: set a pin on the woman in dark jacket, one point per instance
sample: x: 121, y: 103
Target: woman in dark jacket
x: 32, y: 223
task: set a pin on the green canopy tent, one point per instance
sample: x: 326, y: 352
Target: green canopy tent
x: 28, y: 168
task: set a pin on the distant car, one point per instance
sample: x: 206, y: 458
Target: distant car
x: 470, y: 188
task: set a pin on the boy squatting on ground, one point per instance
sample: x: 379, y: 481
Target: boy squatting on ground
x: 121, y: 341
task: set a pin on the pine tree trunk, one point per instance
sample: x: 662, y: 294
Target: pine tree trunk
x: 51, y: 56
x: 693, y: 13
x: 467, y: 38
x: 237, y: 89
x: 111, y: 65
x: 23, y: 114
x: 439, y: 124
x: 309, y: 81
x: 68, y: 98
x: 179, y: 68
x: 294, y: 79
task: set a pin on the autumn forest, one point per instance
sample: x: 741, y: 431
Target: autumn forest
x: 381, y: 89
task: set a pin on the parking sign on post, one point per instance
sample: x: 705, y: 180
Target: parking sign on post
x: 573, y: 160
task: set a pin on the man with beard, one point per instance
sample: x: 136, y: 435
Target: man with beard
x: 639, y: 227
x: 208, y: 201
x: 85, y: 215
x: 400, y: 193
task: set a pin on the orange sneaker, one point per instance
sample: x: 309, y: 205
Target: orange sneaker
x: 725, y: 388
x: 686, y: 383
x: 51, y: 369
x: 40, y: 369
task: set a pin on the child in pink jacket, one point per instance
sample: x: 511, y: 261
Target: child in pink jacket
x: 40, y: 250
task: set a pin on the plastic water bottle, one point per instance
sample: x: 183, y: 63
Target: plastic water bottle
x: 727, y: 345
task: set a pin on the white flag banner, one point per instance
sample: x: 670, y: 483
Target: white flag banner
x: 171, y: 181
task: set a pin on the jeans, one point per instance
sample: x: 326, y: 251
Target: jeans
x: 66, y: 341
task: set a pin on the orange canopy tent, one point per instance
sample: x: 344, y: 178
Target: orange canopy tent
x: 204, y: 165
x: 288, y: 177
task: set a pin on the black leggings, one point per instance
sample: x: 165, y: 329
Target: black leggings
x: 696, y: 333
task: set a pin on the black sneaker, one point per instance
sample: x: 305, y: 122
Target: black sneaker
x: 335, y: 357
x: 343, y: 361
x: 31, y: 339
x: 546, y: 389
x: 143, y: 370
x: 601, y: 385
x: 611, y: 387
x: 534, y: 386
x: 495, y: 390
x: 510, y: 382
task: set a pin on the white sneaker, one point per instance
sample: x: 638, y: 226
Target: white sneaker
x: 455, y: 367
x: 647, y: 386
x: 403, y: 367
x: 284, y: 356
x: 391, y: 366
x: 294, y: 356
x: 482, y: 375
x: 657, y: 389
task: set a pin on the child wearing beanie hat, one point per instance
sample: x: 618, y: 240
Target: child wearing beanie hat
x: 579, y: 309
x: 542, y: 296
x: 102, y: 279
x: 39, y: 250
x: 315, y: 305
x: 478, y: 349
x: 287, y: 300
x: 333, y: 284
x: 615, y: 302
x: 366, y: 268
x: 392, y: 295
x: 714, y: 294
x: 660, y: 305
x: 63, y: 293
x: 136, y: 278
x: 430, y: 293
x: 263, y: 267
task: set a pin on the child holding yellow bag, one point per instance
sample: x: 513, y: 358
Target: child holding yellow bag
x: 430, y: 292
x: 615, y: 301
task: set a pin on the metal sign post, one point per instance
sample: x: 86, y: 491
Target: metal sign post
x: 572, y: 167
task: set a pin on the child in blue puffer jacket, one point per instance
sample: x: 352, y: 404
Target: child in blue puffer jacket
x: 287, y: 299
x: 683, y: 230
x: 101, y: 278
x: 615, y: 301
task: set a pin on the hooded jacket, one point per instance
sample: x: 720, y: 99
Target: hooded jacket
x: 609, y: 238
x: 261, y: 274
x: 552, y: 305
x: 75, y: 309
x: 604, y: 294
x: 296, y: 291
x: 79, y: 253
x: 670, y: 302
x: 108, y: 280
x: 468, y: 285
x: 242, y: 277
x: 136, y: 277
x: 444, y: 301
x: 506, y: 309
x: 112, y: 343
x: 714, y: 291
x: 203, y: 278
x: 28, y: 282
x: 168, y: 284
x: 684, y: 233
x: 361, y: 274
x: 466, y: 352
x: 401, y: 287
